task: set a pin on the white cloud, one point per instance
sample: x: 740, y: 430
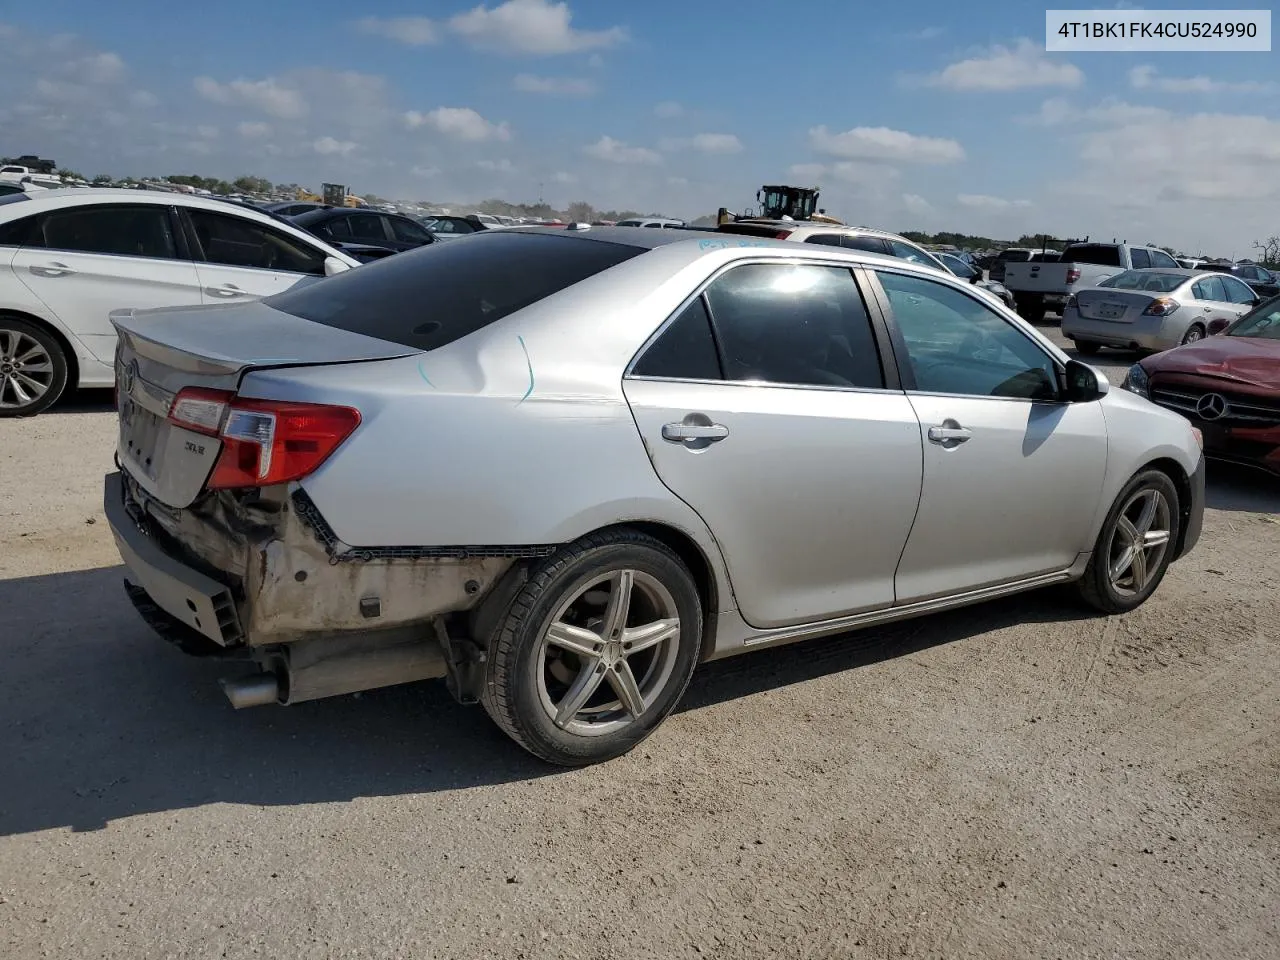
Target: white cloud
x: 328, y: 145
x: 1146, y: 77
x: 411, y: 31
x: 716, y: 143
x: 554, y: 86
x: 1008, y: 68
x: 595, y: 61
x: 143, y: 99
x: 267, y: 95
x: 425, y: 172
x: 668, y: 110
x: 207, y: 132
x: 925, y: 33
x: 459, y: 123
x: 885, y: 144
x: 496, y: 166
x: 1057, y: 111
x: 677, y: 181
x: 254, y: 129
x: 563, y: 176
x: 531, y: 26
x: 99, y: 68
x: 808, y: 172
x: 615, y: 151
x: 981, y: 201
x: 916, y: 204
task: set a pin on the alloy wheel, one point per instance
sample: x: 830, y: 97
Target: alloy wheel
x: 26, y: 369
x: 608, y: 653
x: 1139, y: 542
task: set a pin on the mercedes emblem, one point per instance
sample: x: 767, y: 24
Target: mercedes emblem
x: 1212, y: 406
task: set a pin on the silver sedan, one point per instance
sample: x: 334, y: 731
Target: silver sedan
x: 560, y: 469
x: 1153, y: 309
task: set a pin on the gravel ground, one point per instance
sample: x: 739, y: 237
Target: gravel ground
x: 1015, y: 780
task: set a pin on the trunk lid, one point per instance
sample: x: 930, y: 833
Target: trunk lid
x: 162, y: 351
x: 1113, y: 306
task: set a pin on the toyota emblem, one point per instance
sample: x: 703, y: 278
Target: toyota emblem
x: 1212, y: 406
x: 130, y: 374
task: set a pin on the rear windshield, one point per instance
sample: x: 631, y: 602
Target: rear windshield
x: 1015, y: 256
x: 1104, y: 255
x: 437, y: 294
x: 1145, y: 280
x: 1050, y: 257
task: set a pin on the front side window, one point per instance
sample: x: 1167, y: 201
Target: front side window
x: 905, y: 251
x: 864, y: 242
x: 406, y: 231
x: 958, y: 345
x: 789, y: 324
x: 825, y: 239
x: 145, y: 230
x: 1139, y: 258
x: 1161, y: 259
x: 236, y: 242
x: 685, y: 350
x: 1237, y: 291
x: 339, y: 228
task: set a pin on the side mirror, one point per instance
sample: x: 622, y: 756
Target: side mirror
x: 976, y: 278
x: 1218, y: 326
x: 333, y: 266
x: 1084, y: 383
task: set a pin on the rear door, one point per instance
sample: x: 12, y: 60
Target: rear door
x: 405, y: 234
x: 83, y: 262
x: 1011, y: 471
x: 790, y: 443
x: 239, y: 259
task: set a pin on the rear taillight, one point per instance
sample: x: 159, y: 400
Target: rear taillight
x: 1073, y: 275
x: 783, y: 234
x: 1160, y: 307
x: 264, y: 442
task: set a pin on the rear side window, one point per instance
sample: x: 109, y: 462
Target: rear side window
x: 1104, y: 255
x: 869, y: 244
x: 1015, y: 256
x: 804, y: 325
x: 685, y: 350
x: 406, y: 231
x: 125, y: 231
x: 1210, y: 288
x: 18, y: 233
x: 826, y: 239
x: 432, y: 296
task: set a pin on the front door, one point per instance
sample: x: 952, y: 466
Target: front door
x: 785, y: 441
x: 1012, y: 473
x: 238, y: 259
x: 85, y: 261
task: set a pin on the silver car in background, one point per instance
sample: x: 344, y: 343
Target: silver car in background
x: 561, y: 468
x: 1153, y: 309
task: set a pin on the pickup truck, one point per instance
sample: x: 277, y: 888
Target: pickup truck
x: 1038, y: 286
x: 15, y: 174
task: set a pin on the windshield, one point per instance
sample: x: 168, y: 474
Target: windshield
x: 1263, y: 322
x: 1145, y: 280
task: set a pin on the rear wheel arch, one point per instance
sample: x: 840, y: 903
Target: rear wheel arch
x: 68, y: 351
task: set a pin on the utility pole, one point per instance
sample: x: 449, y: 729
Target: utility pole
x: 539, y: 193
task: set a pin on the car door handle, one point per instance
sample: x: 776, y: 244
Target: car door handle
x: 680, y: 432
x: 54, y: 268
x: 226, y: 290
x: 949, y: 435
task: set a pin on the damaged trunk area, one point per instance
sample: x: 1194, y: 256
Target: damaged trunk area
x: 318, y: 617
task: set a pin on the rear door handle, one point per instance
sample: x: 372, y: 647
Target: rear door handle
x: 226, y: 290
x: 54, y: 268
x: 950, y: 434
x: 680, y: 432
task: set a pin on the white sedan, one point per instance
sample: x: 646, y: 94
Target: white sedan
x: 70, y: 257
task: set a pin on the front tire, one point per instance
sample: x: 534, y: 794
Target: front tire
x: 33, y: 368
x: 1135, y: 546
x: 1030, y: 308
x: 595, y: 650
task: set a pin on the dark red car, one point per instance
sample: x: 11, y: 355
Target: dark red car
x: 1227, y: 384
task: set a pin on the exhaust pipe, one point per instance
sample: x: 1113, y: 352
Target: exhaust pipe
x: 254, y: 690
x: 330, y: 667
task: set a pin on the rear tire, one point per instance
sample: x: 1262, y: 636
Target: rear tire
x: 1196, y: 333
x: 577, y: 677
x: 33, y: 368
x: 1030, y: 308
x: 1121, y: 575
x: 1087, y: 347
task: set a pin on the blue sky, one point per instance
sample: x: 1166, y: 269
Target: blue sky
x: 930, y: 115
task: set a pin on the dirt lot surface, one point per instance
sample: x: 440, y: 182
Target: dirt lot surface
x: 1017, y: 780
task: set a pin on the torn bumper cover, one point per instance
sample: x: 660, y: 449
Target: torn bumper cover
x: 271, y: 571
